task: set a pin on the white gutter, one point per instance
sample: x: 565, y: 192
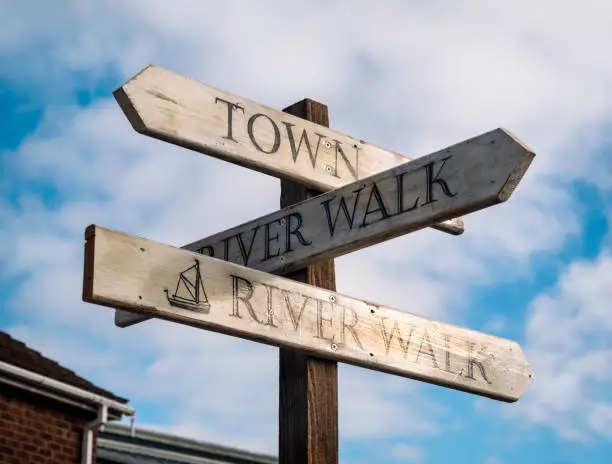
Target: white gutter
x: 62, y: 387
x: 104, y: 404
x: 88, y: 429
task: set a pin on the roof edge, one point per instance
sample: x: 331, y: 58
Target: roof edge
x: 17, y: 353
x: 27, y: 379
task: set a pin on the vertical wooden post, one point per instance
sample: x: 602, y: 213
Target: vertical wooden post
x: 308, y: 387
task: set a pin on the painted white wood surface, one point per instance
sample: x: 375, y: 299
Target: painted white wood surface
x: 466, y: 177
x: 150, y: 278
x: 182, y: 111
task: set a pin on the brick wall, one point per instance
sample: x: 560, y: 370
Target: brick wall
x: 37, y: 430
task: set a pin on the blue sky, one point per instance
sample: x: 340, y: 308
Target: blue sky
x: 409, y: 77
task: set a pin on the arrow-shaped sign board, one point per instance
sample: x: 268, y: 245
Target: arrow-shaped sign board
x: 158, y: 280
x: 173, y: 108
x: 466, y: 177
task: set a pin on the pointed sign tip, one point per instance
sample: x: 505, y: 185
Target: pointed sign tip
x: 516, y: 175
x: 129, y: 110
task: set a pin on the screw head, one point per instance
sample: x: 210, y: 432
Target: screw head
x: 334, y: 347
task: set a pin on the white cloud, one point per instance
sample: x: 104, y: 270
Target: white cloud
x: 496, y: 324
x: 416, y: 79
x: 600, y: 418
x: 567, y: 343
x: 404, y: 452
x: 383, y: 413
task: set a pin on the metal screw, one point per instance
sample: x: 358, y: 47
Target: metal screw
x: 282, y: 221
x: 282, y: 259
x: 332, y: 298
x: 334, y: 347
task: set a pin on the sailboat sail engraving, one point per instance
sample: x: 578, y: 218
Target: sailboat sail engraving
x: 190, y: 293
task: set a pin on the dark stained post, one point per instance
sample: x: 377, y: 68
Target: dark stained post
x: 308, y: 387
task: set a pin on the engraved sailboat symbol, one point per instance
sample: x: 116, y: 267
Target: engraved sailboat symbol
x: 190, y: 293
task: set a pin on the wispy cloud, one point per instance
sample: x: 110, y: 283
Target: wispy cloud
x: 403, y: 452
x: 567, y: 340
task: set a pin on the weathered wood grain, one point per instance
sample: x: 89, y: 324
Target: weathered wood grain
x: 466, y: 177
x: 141, y: 275
x: 184, y: 112
x: 308, y: 386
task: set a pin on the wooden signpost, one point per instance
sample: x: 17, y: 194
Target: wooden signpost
x: 338, y: 194
x: 182, y: 286
x: 307, y: 385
